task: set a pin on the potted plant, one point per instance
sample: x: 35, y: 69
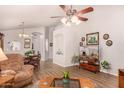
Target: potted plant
x: 75, y: 59
x: 105, y: 65
x: 66, y: 77
x: 29, y: 53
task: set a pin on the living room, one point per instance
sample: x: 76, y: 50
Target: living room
x: 58, y: 43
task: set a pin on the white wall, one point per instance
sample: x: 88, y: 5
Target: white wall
x: 58, y: 41
x: 67, y: 44
x: 104, y: 19
x: 11, y: 35
x: 70, y: 45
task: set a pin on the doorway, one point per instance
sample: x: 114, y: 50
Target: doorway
x: 38, y: 43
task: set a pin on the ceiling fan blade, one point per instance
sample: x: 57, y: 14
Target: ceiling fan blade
x: 87, y: 10
x: 64, y: 7
x: 82, y: 18
x: 56, y: 16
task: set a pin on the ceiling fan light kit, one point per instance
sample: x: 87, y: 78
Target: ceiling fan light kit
x: 70, y: 20
x: 75, y: 20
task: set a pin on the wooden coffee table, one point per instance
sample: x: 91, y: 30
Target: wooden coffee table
x: 84, y: 83
x: 6, y: 80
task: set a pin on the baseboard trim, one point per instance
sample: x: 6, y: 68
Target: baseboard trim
x: 109, y: 73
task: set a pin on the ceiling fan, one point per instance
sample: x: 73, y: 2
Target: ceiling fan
x: 73, y: 14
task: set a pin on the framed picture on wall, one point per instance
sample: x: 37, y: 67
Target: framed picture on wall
x: 27, y: 42
x: 92, y: 38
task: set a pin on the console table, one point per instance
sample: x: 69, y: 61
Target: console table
x: 90, y: 63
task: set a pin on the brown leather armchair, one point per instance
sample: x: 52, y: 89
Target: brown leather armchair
x: 23, y: 73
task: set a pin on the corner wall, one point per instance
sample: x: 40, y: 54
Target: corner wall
x: 64, y: 40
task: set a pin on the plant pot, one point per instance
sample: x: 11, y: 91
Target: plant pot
x: 66, y: 81
x: 66, y: 85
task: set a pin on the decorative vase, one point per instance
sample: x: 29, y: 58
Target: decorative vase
x: 66, y: 81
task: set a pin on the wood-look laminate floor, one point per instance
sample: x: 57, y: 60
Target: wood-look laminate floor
x: 101, y: 80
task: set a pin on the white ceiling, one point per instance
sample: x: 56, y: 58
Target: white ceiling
x: 11, y: 16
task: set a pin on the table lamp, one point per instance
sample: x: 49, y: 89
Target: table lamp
x: 2, y: 57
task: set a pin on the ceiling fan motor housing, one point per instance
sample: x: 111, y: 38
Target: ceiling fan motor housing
x: 71, y: 12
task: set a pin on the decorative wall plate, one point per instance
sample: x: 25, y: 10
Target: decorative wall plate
x: 83, y: 39
x: 81, y: 43
x: 109, y: 42
x: 106, y: 36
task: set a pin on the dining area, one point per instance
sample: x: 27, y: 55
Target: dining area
x: 32, y: 59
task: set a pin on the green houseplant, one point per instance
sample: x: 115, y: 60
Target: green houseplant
x: 29, y: 53
x: 75, y: 59
x: 105, y: 64
x: 66, y: 77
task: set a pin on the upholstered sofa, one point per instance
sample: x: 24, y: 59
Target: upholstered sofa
x: 23, y: 73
